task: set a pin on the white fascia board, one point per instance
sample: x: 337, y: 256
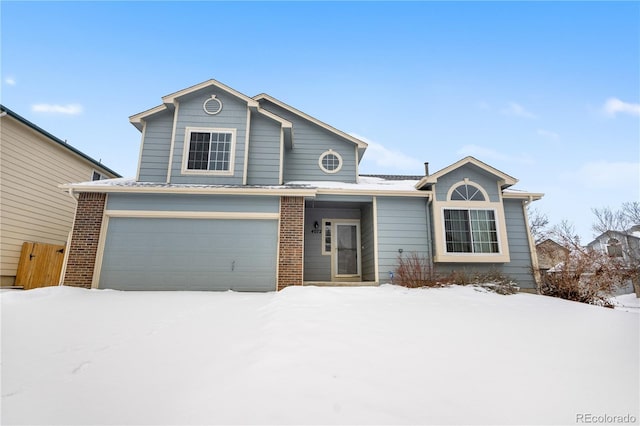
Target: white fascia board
x: 284, y: 123
x: 532, y: 196
x: 301, y: 114
x: 137, y: 119
x: 433, y: 178
x: 169, y: 99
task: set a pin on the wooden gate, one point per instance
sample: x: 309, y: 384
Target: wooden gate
x: 40, y: 265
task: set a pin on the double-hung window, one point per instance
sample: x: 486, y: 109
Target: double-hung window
x: 471, y: 231
x: 209, y: 150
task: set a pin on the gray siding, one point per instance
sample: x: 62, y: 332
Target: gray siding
x: 519, y: 268
x: 475, y: 175
x: 310, y: 141
x: 264, y: 151
x: 191, y: 114
x: 199, y: 203
x: 317, y: 267
x: 190, y: 254
x: 156, y: 147
x: 402, y: 224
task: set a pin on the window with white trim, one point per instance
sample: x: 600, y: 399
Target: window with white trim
x: 330, y: 161
x: 470, y: 231
x: 97, y: 176
x: 210, y: 150
x: 326, y: 237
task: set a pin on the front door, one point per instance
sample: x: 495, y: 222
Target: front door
x: 346, y: 251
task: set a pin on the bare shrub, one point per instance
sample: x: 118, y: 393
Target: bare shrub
x: 414, y: 270
x: 584, y: 275
x: 492, y: 280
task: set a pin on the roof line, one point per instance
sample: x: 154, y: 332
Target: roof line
x: 507, y: 180
x: 358, y: 142
x: 57, y: 140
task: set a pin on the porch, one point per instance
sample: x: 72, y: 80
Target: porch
x: 339, y: 241
x: 341, y: 283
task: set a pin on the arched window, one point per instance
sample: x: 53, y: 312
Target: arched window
x: 467, y: 192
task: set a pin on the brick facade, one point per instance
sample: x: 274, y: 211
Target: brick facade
x: 291, y: 258
x: 84, y: 240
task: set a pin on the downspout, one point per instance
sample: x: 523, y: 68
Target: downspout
x: 429, y: 240
x: 532, y: 247
x: 68, y: 245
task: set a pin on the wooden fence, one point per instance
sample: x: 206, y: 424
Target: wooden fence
x: 40, y: 265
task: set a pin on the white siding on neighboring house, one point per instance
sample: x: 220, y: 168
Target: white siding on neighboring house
x: 32, y: 207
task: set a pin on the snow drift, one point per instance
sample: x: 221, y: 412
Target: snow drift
x: 385, y: 355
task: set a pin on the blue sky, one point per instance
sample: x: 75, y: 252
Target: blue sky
x: 548, y: 92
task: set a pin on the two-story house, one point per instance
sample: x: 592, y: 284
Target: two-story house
x: 249, y: 193
x: 33, y: 163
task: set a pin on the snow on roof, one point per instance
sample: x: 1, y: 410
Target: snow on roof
x: 364, y: 183
x: 393, y: 185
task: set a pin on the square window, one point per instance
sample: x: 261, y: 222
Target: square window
x: 210, y: 150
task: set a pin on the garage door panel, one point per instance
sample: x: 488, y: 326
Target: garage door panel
x: 190, y: 254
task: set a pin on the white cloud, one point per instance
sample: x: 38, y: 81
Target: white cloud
x: 488, y: 154
x: 613, y: 106
x: 70, y: 109
x: 517, y: 110
x: 10, y: 81
x: 548, y: 134
x: 606, y: 175
x: 386, y: 160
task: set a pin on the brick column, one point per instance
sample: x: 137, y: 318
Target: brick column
x: 84, y: 239
x: 290, y: 262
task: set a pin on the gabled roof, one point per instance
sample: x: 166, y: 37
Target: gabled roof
x: 504, y: 178
x: 169, y: 99
x: 168, y: 102
x: 56, y: 140
x: 611, y: 233
x: 551, y: 242
x: 358, y: 142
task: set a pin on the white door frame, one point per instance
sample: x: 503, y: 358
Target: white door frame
x: 334, y: 250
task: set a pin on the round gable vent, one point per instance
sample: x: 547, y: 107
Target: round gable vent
x: 212, y: 106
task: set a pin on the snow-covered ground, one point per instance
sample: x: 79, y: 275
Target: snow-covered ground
x: 386, y: 355
x: 627, y: 302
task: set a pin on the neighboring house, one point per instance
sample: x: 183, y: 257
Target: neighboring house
x: 622, y: 245
x: 550, y: 254
x: 33, y: 164
x: 242, y: 193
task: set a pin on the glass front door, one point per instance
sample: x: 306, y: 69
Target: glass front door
x: 347, y: 250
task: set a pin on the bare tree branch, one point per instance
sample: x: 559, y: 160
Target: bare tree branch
x: 631, y: 210
x: 538, y: 224
x: 609, y: 220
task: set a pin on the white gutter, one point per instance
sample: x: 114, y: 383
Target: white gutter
x: 68, y: 244
x: 532, y: 246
